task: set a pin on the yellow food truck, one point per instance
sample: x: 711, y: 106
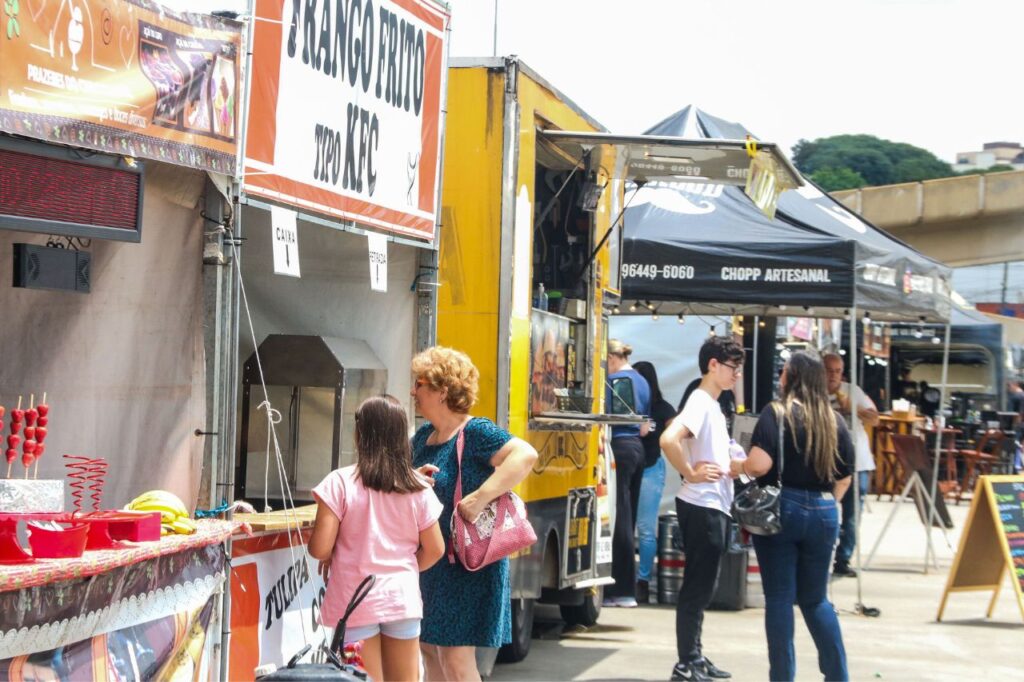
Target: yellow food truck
x: 518, y: 295
x: 529, y: 271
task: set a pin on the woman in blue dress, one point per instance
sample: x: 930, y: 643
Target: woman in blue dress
x: 461, y: 609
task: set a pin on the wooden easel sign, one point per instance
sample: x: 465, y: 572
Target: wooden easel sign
x: 992, y: 543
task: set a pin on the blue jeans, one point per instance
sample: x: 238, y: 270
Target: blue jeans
x: 794, y: 568
x: 848, y: 529
x: 647, y: 517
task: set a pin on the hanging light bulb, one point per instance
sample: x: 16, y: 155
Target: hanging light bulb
x: 680, y: 319
x: 712, y: 330
x: 761, y: 324
x: 650, y: 306
x: 615, y: 310
x: 810, y: 311
x: 782, y: 307
x: 842, y: 351
x: 936, y: 340
x: 918, y: 333
x: 633, y: 307
x: 655, y: 316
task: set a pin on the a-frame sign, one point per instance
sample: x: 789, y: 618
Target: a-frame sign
x: 992, y: 543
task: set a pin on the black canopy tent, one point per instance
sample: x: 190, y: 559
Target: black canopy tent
x: 853, y: 263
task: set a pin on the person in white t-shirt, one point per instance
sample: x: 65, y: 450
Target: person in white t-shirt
x: 843, y: 398
x: 704, y: 500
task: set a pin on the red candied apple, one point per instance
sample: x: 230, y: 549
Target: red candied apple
x: 12, y: 455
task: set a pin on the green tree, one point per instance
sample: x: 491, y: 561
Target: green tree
x: 836, y: 179
x: 876, y: 161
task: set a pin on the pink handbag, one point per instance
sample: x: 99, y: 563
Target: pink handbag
x: 501, y: 529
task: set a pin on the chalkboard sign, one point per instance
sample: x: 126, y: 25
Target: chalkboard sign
x: 1009, y: 498
x: 992, y: 543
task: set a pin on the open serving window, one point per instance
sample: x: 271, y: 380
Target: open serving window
x: 573, y: 170
x: 316, y: 383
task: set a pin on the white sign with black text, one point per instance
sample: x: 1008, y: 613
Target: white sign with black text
x: 285, y: 234
x: 378, y: 244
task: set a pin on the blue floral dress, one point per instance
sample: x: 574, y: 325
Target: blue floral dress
x: 463, y: 608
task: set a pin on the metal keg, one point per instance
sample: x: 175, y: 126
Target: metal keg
x: 671, y: 561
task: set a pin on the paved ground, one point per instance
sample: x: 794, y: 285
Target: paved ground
x: 904, y: 643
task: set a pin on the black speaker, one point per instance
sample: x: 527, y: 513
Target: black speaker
x: 46, y: 267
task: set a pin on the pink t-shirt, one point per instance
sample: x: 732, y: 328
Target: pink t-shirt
x: 379, y: 535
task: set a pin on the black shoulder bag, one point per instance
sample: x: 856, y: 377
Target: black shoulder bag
x: 757, y: 508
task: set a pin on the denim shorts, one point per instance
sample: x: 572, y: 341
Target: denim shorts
x: 408, y: 628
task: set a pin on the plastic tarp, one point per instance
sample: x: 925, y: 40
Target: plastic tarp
x: 808, y: 255
x: 124, y: 365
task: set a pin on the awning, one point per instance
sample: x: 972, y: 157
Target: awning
x: 643, y: 158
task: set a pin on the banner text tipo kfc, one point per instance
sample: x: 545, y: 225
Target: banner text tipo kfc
x: 345, y: 111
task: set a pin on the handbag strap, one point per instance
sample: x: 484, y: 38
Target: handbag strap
x: 460, y: 443
x: 780, y: 417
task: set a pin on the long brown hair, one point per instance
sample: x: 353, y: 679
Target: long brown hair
x: 806, y: 391
x: 384, y: 455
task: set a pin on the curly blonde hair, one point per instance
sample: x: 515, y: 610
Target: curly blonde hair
x: 451, y: 371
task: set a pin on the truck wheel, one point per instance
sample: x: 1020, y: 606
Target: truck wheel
x: 522, y: 632
x: 587, y: 613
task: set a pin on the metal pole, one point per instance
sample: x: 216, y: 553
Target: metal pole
x: 940, y: 423
x: 494, y: 47
x: 226, y: 469
x: 854, y: 425
x: 753, y: 378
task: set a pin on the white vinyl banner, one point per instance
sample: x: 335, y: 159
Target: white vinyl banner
x: 286, y: 241
x: 278, y: 593
x: 345, y: 115
x: 378, y: 246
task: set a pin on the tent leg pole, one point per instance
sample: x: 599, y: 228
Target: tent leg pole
x: 753, y: 378
x: 940, y: 423
x: 854, y: 425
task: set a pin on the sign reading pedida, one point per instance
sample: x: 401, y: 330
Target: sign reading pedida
x: 345, y: 110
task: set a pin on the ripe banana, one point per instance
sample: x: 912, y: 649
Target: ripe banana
x: 174, y: 517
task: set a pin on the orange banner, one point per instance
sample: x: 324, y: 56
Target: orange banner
x: 345, y: 109
x: 123, y: 76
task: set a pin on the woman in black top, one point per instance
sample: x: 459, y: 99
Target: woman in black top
x: 816, y: 463
x: 652, y: 484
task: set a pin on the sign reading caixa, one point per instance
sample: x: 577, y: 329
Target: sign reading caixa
x: 122, y: 76
x: 345, y: 111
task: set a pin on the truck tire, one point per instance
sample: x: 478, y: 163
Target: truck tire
x: 587, y: 613
x: 522, y: 632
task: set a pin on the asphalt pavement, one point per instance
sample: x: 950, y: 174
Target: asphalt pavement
x: 903, y: 643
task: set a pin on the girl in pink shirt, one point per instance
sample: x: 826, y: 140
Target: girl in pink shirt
x: 378, y: 517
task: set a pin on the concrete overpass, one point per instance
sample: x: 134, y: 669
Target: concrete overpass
x: 966, y: 220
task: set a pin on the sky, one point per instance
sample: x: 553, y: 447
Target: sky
x: 939, y: 74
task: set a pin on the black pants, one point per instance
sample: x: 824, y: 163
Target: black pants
x: 705, y: 534
x: 629, y: 473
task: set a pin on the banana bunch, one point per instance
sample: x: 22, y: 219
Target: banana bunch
x: 174, y: 516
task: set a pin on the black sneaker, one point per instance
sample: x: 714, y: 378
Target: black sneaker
x: 690, y: 672
x: 842, y: 569
x: 643, y: 591
x: 712, y: 671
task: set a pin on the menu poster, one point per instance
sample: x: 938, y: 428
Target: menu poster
x: 1009, y: 499
x: 128, y: 77
x: 992, y: 544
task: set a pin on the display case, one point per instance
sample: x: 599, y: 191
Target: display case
x: 315, y: 383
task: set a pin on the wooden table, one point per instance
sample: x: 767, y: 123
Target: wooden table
x: 887, y: 470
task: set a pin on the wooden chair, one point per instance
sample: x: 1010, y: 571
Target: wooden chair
x: 887, y: 473
x: 912, y: 456
x: 979, y: 461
